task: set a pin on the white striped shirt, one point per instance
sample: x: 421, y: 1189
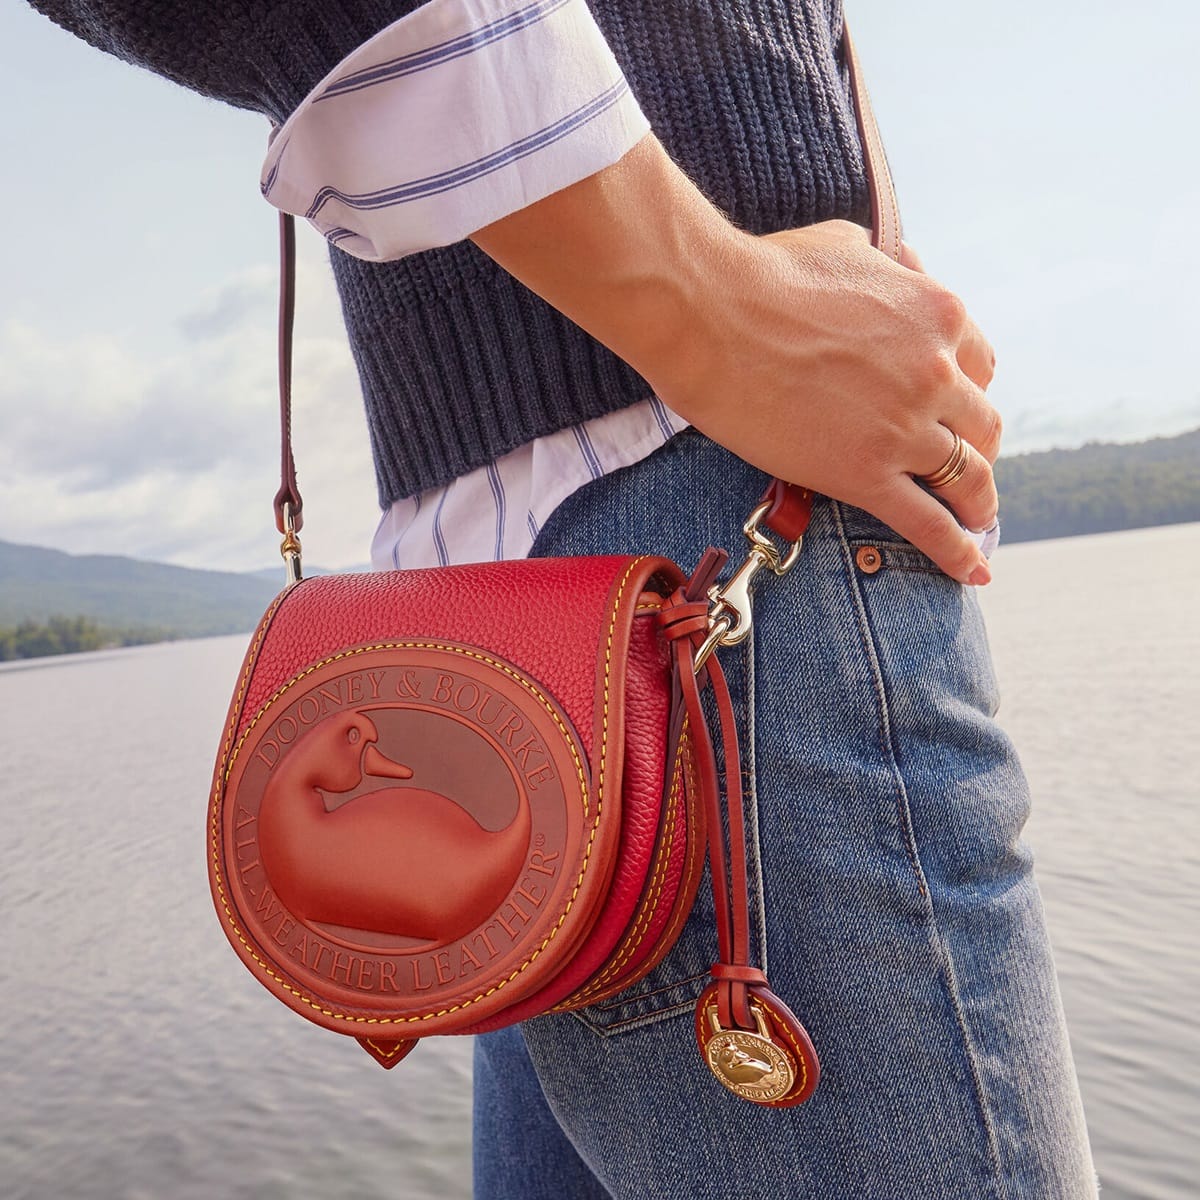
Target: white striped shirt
x: 454, y: 116
x: 496, y: 512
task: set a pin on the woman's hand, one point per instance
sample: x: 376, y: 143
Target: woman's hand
x: 807, y: 352
x: 821, y: 361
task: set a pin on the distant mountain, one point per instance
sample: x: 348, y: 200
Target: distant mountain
x: 276, y: 573
x: 1052, y: 493
x: 1099, y: 487
x: 119, y: 593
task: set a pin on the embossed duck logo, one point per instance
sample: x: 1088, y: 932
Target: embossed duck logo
x: 400, y: 860
x: 742, y: 1067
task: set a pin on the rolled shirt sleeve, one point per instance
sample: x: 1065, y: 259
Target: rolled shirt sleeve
x: 454, y: 116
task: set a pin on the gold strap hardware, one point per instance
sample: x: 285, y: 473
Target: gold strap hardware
x: 730, y: 618
x: 759, y: 1020
x: 289, y: 548
x: 749, y: 1064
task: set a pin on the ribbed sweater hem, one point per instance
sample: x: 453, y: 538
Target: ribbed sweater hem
x: 494, y: 338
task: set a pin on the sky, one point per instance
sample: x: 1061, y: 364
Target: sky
x: 1043, y: 156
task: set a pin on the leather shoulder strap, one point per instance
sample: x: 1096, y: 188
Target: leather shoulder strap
x: 885, y: 212
x: 288, y: 502
x: 790, y: 503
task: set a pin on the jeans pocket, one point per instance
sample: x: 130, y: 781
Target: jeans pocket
x: 921, y: 618
x: 875, y: 546
x: 673, y: 987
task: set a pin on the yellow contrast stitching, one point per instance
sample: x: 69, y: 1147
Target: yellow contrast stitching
x: 800, y: 1055
x: 692, y: 858
x: 682, y: 912
x: 612, y: 625
x: 642, y: 923
x: 520, y: 679
x: 387, y: 1053
x: 251, y: 659
x: 223, y: 778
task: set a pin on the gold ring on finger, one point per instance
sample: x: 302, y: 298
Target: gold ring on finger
x: 952, y: 470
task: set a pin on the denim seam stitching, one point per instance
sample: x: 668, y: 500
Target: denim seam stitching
x: 885, y: 721
x: 888, y: 746
x: 667, y: 987
x: 653, y: 1016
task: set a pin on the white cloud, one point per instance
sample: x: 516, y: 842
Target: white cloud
x: 172, y: 453
x: 1049, y: 424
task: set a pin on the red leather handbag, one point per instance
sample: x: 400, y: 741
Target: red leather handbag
x: 448, y: 800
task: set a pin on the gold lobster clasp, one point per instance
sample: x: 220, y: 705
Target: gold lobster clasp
x: 730, y: 618
x: 289, y: 548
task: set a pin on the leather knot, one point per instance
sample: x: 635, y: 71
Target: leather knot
x: 738, y: 974
x: 683, y: 618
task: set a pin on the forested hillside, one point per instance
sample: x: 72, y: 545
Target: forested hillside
x: 1100, y: 486
x: 124, y: 593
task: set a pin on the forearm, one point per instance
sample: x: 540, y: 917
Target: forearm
x: 630, y: 253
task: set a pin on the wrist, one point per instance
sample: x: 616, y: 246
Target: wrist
x: 668, y: 312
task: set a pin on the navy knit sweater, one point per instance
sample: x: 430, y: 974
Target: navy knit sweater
x: 460, y: 362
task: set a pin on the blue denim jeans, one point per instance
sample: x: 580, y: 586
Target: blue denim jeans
x: 894, y: 906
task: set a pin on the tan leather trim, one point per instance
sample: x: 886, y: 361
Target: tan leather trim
x: 596, y: 988
x: 697, y: 845
x: 886, y: 233
x: 695, y: 849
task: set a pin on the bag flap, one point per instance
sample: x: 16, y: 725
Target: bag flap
x: 419, y: 788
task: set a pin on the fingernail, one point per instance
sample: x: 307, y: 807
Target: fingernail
x: 980, y: 576
x: 987, y: 528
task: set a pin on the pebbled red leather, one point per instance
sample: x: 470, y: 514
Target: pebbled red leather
x: 644, y: 793
x: 497, y: 601
x: 372, y: 878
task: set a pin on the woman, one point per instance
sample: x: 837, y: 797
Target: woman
x: 601, y: 271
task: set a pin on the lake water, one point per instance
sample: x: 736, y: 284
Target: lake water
x: 138, y: 1059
